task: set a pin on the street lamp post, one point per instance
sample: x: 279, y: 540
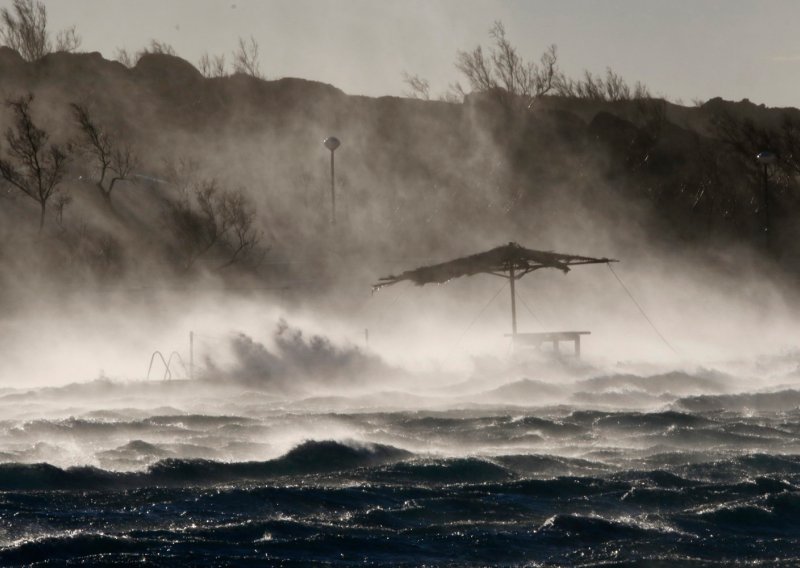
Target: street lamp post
x: 765, y: 159
x: 331, y: 143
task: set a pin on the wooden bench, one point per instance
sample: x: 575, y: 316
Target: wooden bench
x: 536, y: 340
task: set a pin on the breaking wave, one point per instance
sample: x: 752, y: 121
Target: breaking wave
x: 309, y: 457
x: 682, y: 466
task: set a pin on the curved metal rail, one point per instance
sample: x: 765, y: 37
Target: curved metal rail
x: 167, y: 372
x: 177, y: 355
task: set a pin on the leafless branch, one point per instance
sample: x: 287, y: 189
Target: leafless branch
x: 212, y: 66
x: 418, y: 88
x: 612, y: 87
x: 124, y: 56
x: 34, y: 166
x: 245, y: 58
x: 157, y: 46
x: 68, y: 40
x: 208, y: 221
x: 114, y: 162
x: 501, y: 71
x: 24, y: 29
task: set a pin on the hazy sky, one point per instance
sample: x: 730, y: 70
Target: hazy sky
x: 681, y: 48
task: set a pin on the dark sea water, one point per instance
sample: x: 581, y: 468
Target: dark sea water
x: 648, y: 470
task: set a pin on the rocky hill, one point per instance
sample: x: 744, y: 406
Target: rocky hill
x: 415, y: 179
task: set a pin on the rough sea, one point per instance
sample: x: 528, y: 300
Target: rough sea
x: 693, y: 468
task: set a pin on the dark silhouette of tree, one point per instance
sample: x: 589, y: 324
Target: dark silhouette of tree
x: 124, y: 56
x: 68, y: 40
x: 212, y: 66
x: 245, y: 58
x: 239, y: 216
x: 130, y: 59
x: 34, y: 167
x: 594, y: 87
x: 113, y: 161
x: 245, y: 61
x: 790, y: 145
x: 157, y: 46
x: 745, y: 136
x: 60, y: 203
x: 745, y: 139
x: 501, y: 71
x: 24, y: 29
x: 210, y: 222
x: 418, y: 88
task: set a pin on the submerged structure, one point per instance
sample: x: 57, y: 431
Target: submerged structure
x: 511, y: 261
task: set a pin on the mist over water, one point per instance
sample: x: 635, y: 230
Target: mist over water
x: 525, y: 455
x: 171, y: 395
x: 429, y: 440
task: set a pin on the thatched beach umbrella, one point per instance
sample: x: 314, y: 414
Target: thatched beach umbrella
x: 510, y: 261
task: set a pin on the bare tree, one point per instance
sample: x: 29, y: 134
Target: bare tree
x: 245, y: 58
x: 208, y: 221
x: 212, y: 66
x: 113, y: 161
x: 68, y: 40
x: 790, y: 144
x: 125, y: 57
x: 594, y: 87
x: 745, y: 137
x: 24, y: 29
x: 36, y: 167
x: 418, y: 88
x: 245, y: 61
x: 500, y: 70
x: 130, y: 59
x: 61, y: 202
x: 195, y: 221
x: 157, y: 46
x: 239, y: 217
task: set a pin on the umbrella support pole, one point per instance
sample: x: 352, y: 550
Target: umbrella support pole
x: 513, y: 302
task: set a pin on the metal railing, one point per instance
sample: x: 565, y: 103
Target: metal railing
x: 167, y: 372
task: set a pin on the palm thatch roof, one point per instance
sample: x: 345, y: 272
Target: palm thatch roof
x: 495, y: 261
